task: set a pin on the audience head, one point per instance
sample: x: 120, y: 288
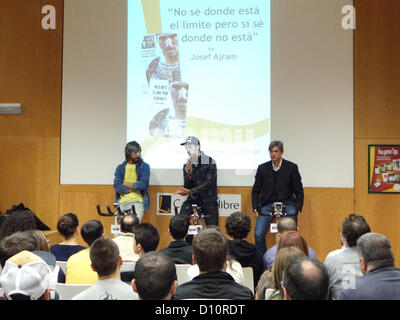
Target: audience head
x: 238, y: 225
x: 286, y: 224
x: 26, y: 276
x: 353, y: 227
x: 40, y: 239
x: 178, y: 227
x: 105, y: 258
x: 210, y: 250
x: 293, y: 238
x: 155, y: 277
x: 282, y: 260
x: 146, y: 238
x: 67, y: 225
x: 305, y: 279
x: 17, y: 242
x: 91, y: 230
x: 20, y: 220
x: 128, y: 222
x: 375, y: 252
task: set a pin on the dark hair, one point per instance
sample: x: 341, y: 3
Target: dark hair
x: 20, y: 220
x: 179, y: 226
x: 147, y: 236
x: 286, y: 224
x: 154, y: 275
x: 104, y: 255
x: 353, y: 227
x: 238, y: 225
x: 91, y: 230
x: 293, y: 238
x: 128, y: 222
x: 67, y: 225
x: 210, y: 248
x: 376, y: 250
x: 305, y: 279
x: 17, y: 242
x: 276, y: 143
x: 132, y: 147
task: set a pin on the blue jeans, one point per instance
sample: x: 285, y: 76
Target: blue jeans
x: 263, y: 223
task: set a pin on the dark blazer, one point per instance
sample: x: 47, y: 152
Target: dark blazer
x: 290, y: 189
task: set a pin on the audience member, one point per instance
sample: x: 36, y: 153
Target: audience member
x: 238, y: 226
x: 305, y: 279
x: 381, y: 279
x: 124, y: 240
x: 179, y: 250
x: 155, y: 277
x: 269, y: 287
x: 67, y: 227
x: 210, y: 252
x: 342, y: 264
x: 106, y: 262
x: 146, y: 238
x: 284, y: 224
x: 20, y: 220
x: 36, y: 242
x: 26, y: 276
x: 78, y: 269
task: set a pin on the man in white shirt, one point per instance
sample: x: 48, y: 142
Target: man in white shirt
x: 125, y: 238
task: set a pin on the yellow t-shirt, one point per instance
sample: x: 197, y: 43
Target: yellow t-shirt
x: 131, y: 177
x: 78, y: 269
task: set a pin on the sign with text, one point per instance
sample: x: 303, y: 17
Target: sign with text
x: 227, y: 203
x: 384, y: 169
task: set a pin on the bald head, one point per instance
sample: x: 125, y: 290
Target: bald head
x: 306, y: 279
x: 286, y: 224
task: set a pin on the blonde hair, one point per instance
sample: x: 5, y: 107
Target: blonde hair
x: 283, y: 257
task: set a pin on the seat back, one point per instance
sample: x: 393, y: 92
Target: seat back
x: 182, y: 273
x: 128, y: 266
x: 248, y: 278
x: 62, y: 265
x: 68, y: 291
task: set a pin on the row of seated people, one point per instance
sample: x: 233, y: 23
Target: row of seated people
x: 295, y: 273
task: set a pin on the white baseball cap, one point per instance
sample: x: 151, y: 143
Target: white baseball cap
x: 27, y: 274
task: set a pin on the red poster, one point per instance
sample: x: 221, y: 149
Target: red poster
x: 384, y: 168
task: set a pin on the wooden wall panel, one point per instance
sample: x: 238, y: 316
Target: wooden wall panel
x: 377, y: 69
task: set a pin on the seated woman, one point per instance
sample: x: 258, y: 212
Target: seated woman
x: 67, y: 226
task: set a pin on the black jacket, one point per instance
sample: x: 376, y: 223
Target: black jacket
x: 203, y: 182
x: 213, y: 285
x: 289, y: 190
x: 179, y: 251
x: 248, y: 256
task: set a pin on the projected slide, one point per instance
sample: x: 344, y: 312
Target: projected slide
x: 199, y: 68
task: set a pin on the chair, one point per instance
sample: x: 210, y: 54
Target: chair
x: 67, y: 291
x: 62, y: 265
x: 128, y: 266
x: 182, y: 273
x: 248, y: 278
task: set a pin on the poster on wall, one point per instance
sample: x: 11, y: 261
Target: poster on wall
x: 384, y: 168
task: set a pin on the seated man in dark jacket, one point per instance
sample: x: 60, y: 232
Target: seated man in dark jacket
x: 179, y: 250
x: 238, y: 226
x: 210, y: 251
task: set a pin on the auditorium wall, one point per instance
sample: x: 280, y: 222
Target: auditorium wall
x: 31, y: 73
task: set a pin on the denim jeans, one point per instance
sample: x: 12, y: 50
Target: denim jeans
x: 263, y: 223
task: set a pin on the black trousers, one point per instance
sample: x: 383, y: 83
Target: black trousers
x: 210, y: 210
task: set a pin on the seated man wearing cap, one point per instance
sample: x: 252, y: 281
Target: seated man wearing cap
x: 200, y: 182
x: 26, y: 276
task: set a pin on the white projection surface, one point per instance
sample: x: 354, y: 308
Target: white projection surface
x: 236, y: 74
